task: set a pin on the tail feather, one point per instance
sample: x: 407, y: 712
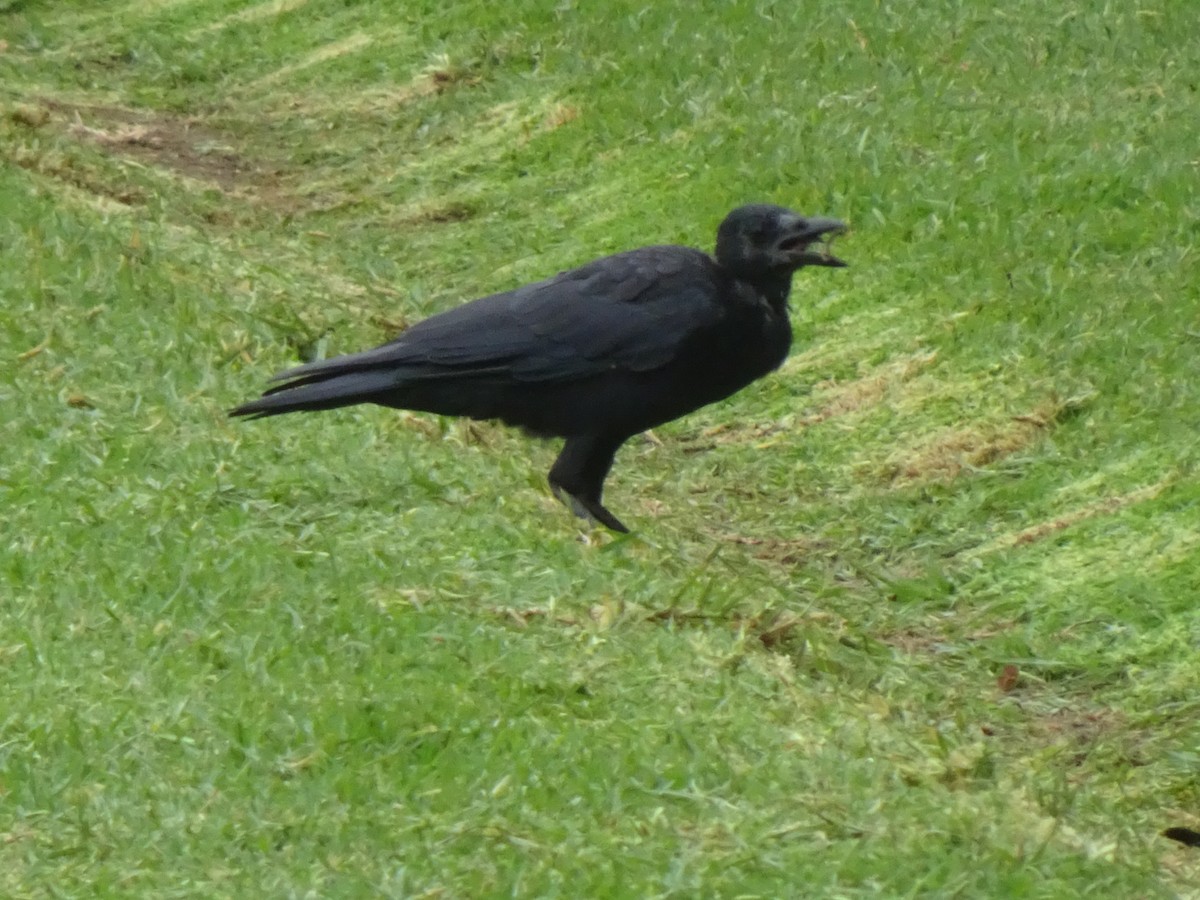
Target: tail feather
x: 311, y: 394
x: 389, y: 355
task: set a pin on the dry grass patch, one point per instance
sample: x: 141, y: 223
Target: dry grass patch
x: 795, y: 551
x: 250, y: 14
x: 949, y: 452
x: 353, y: 43
x: 436, y: 78
x: 1079, y: 729
x: 937, y: 638
x: 843, y: 398
x: 837, y: 399
x: 1043, y: 530
x: 772, y: 630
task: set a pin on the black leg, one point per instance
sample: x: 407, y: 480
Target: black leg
x: 577, y: 477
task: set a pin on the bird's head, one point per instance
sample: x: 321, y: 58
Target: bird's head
x: 762, y: 240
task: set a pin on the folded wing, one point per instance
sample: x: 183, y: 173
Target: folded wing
x: 628, y: 313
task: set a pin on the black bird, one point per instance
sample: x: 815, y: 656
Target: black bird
x: 594, y: 355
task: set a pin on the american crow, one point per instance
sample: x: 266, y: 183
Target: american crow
x: 594, y: 355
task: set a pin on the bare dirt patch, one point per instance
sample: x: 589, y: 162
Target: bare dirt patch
x: 181, y: 145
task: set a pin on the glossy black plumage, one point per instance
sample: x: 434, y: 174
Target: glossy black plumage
x: 594, y: 355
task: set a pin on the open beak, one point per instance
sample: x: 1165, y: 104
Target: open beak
x: 809, y: 240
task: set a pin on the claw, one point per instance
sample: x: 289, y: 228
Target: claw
x: 591, y: 512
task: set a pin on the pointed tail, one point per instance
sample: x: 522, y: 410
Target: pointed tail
x: 315, y: 392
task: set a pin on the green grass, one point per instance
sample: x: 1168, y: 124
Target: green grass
x: 916, y: 616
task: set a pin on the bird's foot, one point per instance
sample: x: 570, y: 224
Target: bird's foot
x: 589, y: 510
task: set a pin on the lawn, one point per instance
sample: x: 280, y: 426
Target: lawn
x: 916, y: 616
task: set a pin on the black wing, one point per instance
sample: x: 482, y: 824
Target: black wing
x: 627, y: 312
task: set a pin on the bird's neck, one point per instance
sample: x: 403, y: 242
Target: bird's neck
x: 773, y: 287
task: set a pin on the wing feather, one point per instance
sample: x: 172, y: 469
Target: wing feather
x: 629, y: 312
